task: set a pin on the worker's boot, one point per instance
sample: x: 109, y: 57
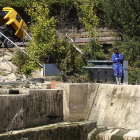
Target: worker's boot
x: 120, y: 80
x: 117, y: 79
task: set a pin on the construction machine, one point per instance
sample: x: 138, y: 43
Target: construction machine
x: 12, y: 26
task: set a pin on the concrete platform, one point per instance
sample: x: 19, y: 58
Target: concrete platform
x: 113, y: 134
x: 58, y: 131
x: 115, y: 108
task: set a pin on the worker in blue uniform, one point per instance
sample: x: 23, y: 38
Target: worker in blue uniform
x: 117, y: 59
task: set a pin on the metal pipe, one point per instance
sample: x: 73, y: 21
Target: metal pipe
x: 27, y: 34
x: 20, y: 49
x: 74, y: 44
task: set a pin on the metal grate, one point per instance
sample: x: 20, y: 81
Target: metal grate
x: 103, y: 76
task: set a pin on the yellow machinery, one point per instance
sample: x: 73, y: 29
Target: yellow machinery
x: 13, y: 26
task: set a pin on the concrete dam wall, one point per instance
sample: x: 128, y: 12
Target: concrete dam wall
x: 40, y: 107
x: 96, y: 111
x: 116, y: 106
x: 116, y: 109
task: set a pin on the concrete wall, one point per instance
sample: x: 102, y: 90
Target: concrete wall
x: 40, y: 107
x: 61, y: 131
x: 113, y: 134
x: 76, y: 100
x: 116, y: 106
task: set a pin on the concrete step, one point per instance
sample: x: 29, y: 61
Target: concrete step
x: 113, y: 134
x: 22, y: 85
x: 57, y: 131
x: 45, y: 85
x: 50, y: 78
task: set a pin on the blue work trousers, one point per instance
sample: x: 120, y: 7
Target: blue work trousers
x: 118, y: 70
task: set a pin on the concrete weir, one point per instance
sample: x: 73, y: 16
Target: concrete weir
x: 40, y: 107
x: 58, y: 131
x: 116, y: 110
x: 72, y: 111
x: 116, y: 106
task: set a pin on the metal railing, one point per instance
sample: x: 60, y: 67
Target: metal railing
x: 20, y: 48
x: 103, y: 71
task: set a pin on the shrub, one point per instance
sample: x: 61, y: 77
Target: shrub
x: 19, y: 59
x: 130, y: 48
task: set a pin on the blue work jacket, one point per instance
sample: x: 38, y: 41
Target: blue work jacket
x: 119, y: 60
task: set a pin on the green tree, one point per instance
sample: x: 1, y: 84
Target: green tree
x: 130, y: 48
x: 93, y: 51
x: 43, y: 34
x: 87, y: 15
x: 45, y: 40
x: 123, y: 15
x: 11, y: 3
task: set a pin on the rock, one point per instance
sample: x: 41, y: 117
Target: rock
x: 1, y: 80
x: 8, y: 58
x: 37, y: 74
x: 7, y: 53
x: 45, y: 86
x: 37, y: 80
x: 12, y: 77
x: 38, y: 84
x: 7, y: 66
x: 31, y: 86
x: 26, y: 85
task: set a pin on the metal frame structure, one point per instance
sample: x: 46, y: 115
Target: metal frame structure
x: 103, y: 71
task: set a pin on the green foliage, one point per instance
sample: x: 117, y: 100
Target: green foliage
x: 123, y: 15
x: 43, y: 34
x: 130, y: 48
x: 69, y: 60
x: 19, y: 59
x: 90, y: 65
x: 93, y: 50
x: 134, y: 76
x: 45, y: 41
x: 87, y: 15
x: 11, y: 3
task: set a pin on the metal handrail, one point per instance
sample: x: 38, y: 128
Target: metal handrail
x: 21, y: 49
x: 74, y: 45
